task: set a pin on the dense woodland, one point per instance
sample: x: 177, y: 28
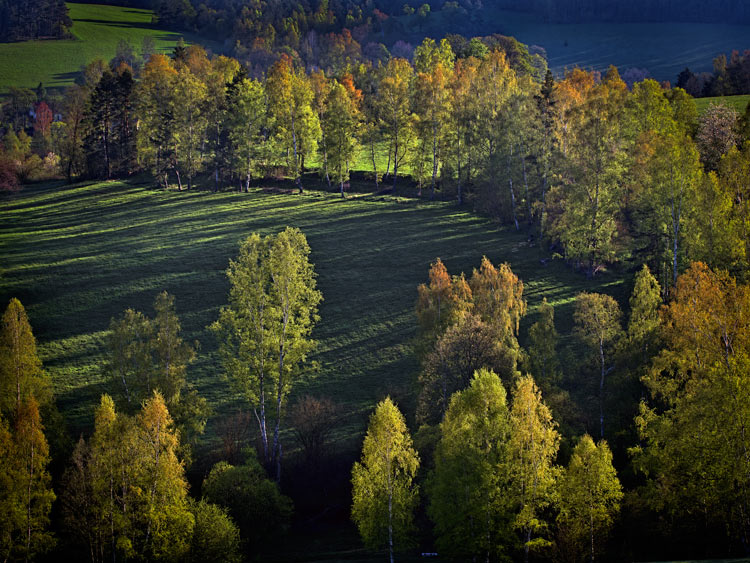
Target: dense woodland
x: 33, y: 19
x: 629, y: 439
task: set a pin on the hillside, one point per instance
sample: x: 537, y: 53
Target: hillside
x: 78, y: 256
x: 97, y: 30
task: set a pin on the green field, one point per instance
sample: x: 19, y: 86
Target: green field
x: 97, y: 30
x: 77, y: 256
x: 739, y: 103
x: 664, y: 49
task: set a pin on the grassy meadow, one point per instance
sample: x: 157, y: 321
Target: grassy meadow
x: 79, y: 255
x: 96, y: 29
x: 739, y: 103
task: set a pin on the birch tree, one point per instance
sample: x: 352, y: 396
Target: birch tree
x: 264, y: 332
x: 383, y: 495
x: 597, y: 324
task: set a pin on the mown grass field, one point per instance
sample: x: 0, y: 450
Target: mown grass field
x: 97, y: 29
x: 78, y: 256
x: 739, y: 103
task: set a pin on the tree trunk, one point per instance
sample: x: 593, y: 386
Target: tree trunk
x: 434, y: 160
x: 179, y: 180
x: 374, y: 166
x: 601, y: 390
x: 512, y: 193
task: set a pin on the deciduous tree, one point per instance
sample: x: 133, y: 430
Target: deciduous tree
x: 597, y: 324
x: 470, y: 487
x: 383, y: 494
x: 590, y: 495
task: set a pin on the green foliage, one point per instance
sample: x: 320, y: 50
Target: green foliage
x: 126, y: 493
x: 251, y: 499
x: 146, y: 355
x: 590, y: 495
x: 470, y: 487
x: 26, y: 496
x: 215, y: 535
x: 534, y: 441
x: 543, y: 361
x: 693, y: 459
x: 597, y: 319
x: 21, y: 373
x: 383, y: 494
x: 264, y: 333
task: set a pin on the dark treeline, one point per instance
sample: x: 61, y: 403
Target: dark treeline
x: 572, y: 11
x: 729, y: 78
x: 33, y: 19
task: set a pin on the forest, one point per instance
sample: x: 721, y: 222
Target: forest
x: 624, y: 438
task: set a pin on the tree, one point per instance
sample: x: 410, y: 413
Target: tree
x: 249, y: 132
x: 674, y: 173
x: 190, y: 123
x: 594, y: 147
x: 109, y: 143
x: 25, y: 505
x: 314, y: 421
x: 127, y: 493
x: 542, y: 353
x: 340, y: 126
x: 498, y: 297
x: 21, y: 373
x: 252, y: 500
x: 693, y: 430
x: 290, y: 97
x: 394, y: 109
x: 434, y: 66
x: 533, y: 446
x: 383, y: 496
x: 597, y: 324
x: 149, y: 354
x: 155, y: 138
x: 467, y: 346
x: 215, y: 536
x: 469, y: 488
x: 717, y: 133
x: 264, y: 333
x: 643, y: 324
x: 590, y: 495
x: 440, y: 303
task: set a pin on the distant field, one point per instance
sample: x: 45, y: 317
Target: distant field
x: 737, y: 102
x: 97, y: 30
x: 78, y: 256
x: 664, y: 49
